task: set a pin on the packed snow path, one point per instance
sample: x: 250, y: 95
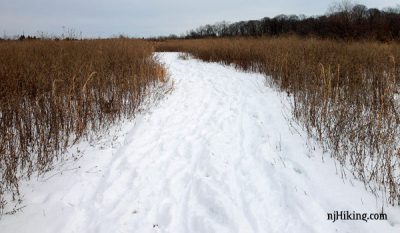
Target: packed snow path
x: 216, y: 155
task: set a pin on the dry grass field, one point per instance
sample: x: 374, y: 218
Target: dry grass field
x: 53, y: 93
x: 345, y: 94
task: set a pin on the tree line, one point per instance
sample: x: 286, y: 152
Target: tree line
x: 344, y: 20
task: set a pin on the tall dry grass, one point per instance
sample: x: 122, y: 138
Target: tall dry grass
x: 345, y: 94
x: 53, y: 93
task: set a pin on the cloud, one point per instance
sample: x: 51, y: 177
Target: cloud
x: 145, y: 18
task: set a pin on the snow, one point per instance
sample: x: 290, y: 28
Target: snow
x: 215, y: 155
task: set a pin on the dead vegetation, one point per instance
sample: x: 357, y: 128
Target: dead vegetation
x: 53, y: 93
x: 345, y: 95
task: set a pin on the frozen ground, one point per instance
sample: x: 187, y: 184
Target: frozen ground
x: 216, y: 155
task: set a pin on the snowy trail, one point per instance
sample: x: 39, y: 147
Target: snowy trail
x: 216, y: 155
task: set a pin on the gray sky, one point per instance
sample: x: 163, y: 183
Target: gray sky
x: 102, y: 18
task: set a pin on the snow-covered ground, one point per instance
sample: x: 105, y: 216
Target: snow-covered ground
x: 216, y: 155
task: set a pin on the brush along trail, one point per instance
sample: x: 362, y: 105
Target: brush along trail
x: 215, y: 155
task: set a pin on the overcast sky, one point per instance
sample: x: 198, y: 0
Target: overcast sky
x: 103, y: 18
